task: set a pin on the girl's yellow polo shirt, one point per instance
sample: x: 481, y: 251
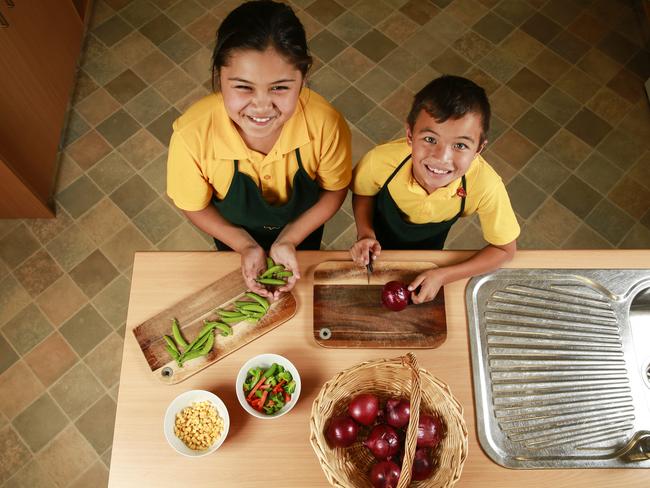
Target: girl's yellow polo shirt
x: 205, y: 144
x: 486, y: 193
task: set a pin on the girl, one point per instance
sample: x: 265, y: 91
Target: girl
x: 262, y: 165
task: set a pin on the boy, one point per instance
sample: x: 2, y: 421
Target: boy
x: 408, y: 193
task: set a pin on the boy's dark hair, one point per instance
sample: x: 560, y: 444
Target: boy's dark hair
x: 258, y: 25
x: 451, y: 97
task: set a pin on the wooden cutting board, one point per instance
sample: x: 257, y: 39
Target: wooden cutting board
x: 191, y: 312
x: 348, y: 311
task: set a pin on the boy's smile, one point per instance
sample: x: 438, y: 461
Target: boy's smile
x: 443, y: 151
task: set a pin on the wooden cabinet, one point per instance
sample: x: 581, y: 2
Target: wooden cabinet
x: 40, y: 42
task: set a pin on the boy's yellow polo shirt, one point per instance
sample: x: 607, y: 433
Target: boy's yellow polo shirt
x: 205, y: 144
x: 486, y: 193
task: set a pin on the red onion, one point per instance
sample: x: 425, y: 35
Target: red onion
x: 342, y: 431
x: 382, y: 441
x: 385, y: 474
x: 422, y: 465
x: 430, y: 431
x: 395, y: 296
x: 398, y: 412
x: 364, y: 408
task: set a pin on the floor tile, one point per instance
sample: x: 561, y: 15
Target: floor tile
x: 185, y: 12
x: 18, y: 387
x: 610, y: 221
x: 379, y: 125
x: 561, y: 11
x: 40, y: 422
x: 497, y: 128
x: 30, y: 475
x: 514, y: 148
x: 472, y: 46
x: 493, y: 28
x: 507, y: 104
x: 635, y: 124
x: 133, y: 48
x: 133, y: 196
x: 68, y: 172
x: 61, y: 300
x: 589, y: 127
x: 351, y: 64
x: 153, y: 66
x: 585, y: 237
x: 95, y: 108
x: 545, y: 172
x: 397, y: 27
x: 38, y: 272
x: 325, y: 11
x: 112, y: 302
x: 99, y: 434
x: 67, y: 456
x: 554, y: 222
x: 423, y: 45
x: 106, y: 458
x: 536, y: 126
x: 361, y: 144
x: 599, y: 172
x: 569, y: 47
x: 184, y: 237
x: 484, y: 80
x: 84, y: 330
x: 637, y: 238
x: 568, y: 149
x: 26, y: 329
x: 46, y: 229
x: 70, y: 247
x: 17, y: 245
x: 557, y: 105
x: 401, y: 64
x: 549, y: 65
x: 377, y: 84
x: 13, y: 298
x: 631, y: 196
x: 199, y: 65
x: 103, y: 65
x: 345, y: 241
x: 541, y: 28
x: 75, y: 128
x: 639, y: 64
x: 326, y: 45
x: 420, y: 12
x: 93, y: 273
x: 599, y: 66
x: 180, y: 47
x: 85, y: 85
x: 578, y: 84
x: 470, y: 238
x: 353, y: 104
x: 524, y: 195
x: 79, y: 196
x: 617, y: 47
x: 203, y: 29
x: 514, y: 11
x: 467, y: 11
x: 375, y: 45
x: 110, y: 172
x: 159, y: 29
x: 50, y: 359
x: 106, y: 360
x: 398, y: 104
x: 157, y: 220
x: 118, y: 127
x: 619, y: 148
x: 445, y: 26
x: 628, y: 85
x: 161, y: 128
x: 76, y: 390
x: 503, y: 169
x: 120, y: 248
x: 373, y: 11
x: 102, y: 221
x: 349, y: 27
x: 13, y: 453
x: 522, y: 46
x: 147, y: 106
x: 7, y: 355
x: 528, y: 85
x: 155, y: 174
x: 450, y: 62
x: 96, y: 475
x: 588, y: 27
x: 141, y: 149
x: 328, y: 83
x: 335, y: 226
x: 577, y: 196
x: 640, y: 172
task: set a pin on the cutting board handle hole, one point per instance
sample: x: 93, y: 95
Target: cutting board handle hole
x: 325, y: 333
x: 167, y: 372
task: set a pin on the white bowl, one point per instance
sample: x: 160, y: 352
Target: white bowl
x: 186, y: 400
x: 264, y: 361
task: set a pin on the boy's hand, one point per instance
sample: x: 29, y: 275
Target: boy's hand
x: 363, y: 248
x: 253, y: 263
x: 284, y: 253
x: 429, y: 282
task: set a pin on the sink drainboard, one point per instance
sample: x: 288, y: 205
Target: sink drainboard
x: 556, y: 376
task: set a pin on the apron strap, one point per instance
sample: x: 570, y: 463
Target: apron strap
x: 462, y: 199
x: 299, y: 159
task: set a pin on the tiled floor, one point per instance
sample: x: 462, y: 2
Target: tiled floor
x: 570, y: 137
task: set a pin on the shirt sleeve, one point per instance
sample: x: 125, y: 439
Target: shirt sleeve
x: 186, y: 183
x: 364, y: 181
x: 335, y: 165
x: 498, y: 220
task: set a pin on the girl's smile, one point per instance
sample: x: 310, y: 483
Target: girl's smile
x: 260, y: 92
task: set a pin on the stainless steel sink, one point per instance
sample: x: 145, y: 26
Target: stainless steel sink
x: 561, y: 366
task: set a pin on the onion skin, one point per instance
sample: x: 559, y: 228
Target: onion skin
x: 398, y: 412
x: 395, y: 296
x: 430, y: 431
x: 383, y: 441
x: 385, y: 474
x: 342, y: 431
x: 422, y: 465
x: 364, y: 408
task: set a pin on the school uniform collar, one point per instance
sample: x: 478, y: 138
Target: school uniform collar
x: 228, y: 143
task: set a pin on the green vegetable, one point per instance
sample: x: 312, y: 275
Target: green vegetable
x: 283, y: 274
x: 261, y: 300
x: 290, y: 387
x: 271, y: 281
x: 269, y: 262
x: 171, y: 344
x: 253, y: 376
x: 285, y: 375
x: 271, y: 371
x: 253, y: 307
x: 228, y: 313
x: 178, y: 337
x: 225, y: 329
x: 272, y: 270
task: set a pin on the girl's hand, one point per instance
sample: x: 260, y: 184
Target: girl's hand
x: 429, y: 282
x: 253, y: 263
x: 284, y: 253
x: 363, y: 248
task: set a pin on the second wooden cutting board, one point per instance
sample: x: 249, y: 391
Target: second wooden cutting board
x: 348, y: 311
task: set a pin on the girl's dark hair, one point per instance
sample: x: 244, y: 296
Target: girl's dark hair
x: 258, y: 25
x: 451, y: 97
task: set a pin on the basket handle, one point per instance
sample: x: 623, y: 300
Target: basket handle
x: 412, y: 431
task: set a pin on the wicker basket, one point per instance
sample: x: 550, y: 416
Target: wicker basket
x: 397, y: 377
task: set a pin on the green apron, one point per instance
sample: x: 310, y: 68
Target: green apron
x: 393, y: 232
x: 245, y: 207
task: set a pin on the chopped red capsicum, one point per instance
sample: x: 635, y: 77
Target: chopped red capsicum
x: 287, y: 397
x: 259, y: 383
x: 278, y: 387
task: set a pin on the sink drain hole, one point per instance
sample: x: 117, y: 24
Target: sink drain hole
x: 647, y: 374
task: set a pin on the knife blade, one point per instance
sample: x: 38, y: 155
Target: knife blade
x: 369, y: 268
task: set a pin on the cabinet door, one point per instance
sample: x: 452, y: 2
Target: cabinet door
x: 38, y: 55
